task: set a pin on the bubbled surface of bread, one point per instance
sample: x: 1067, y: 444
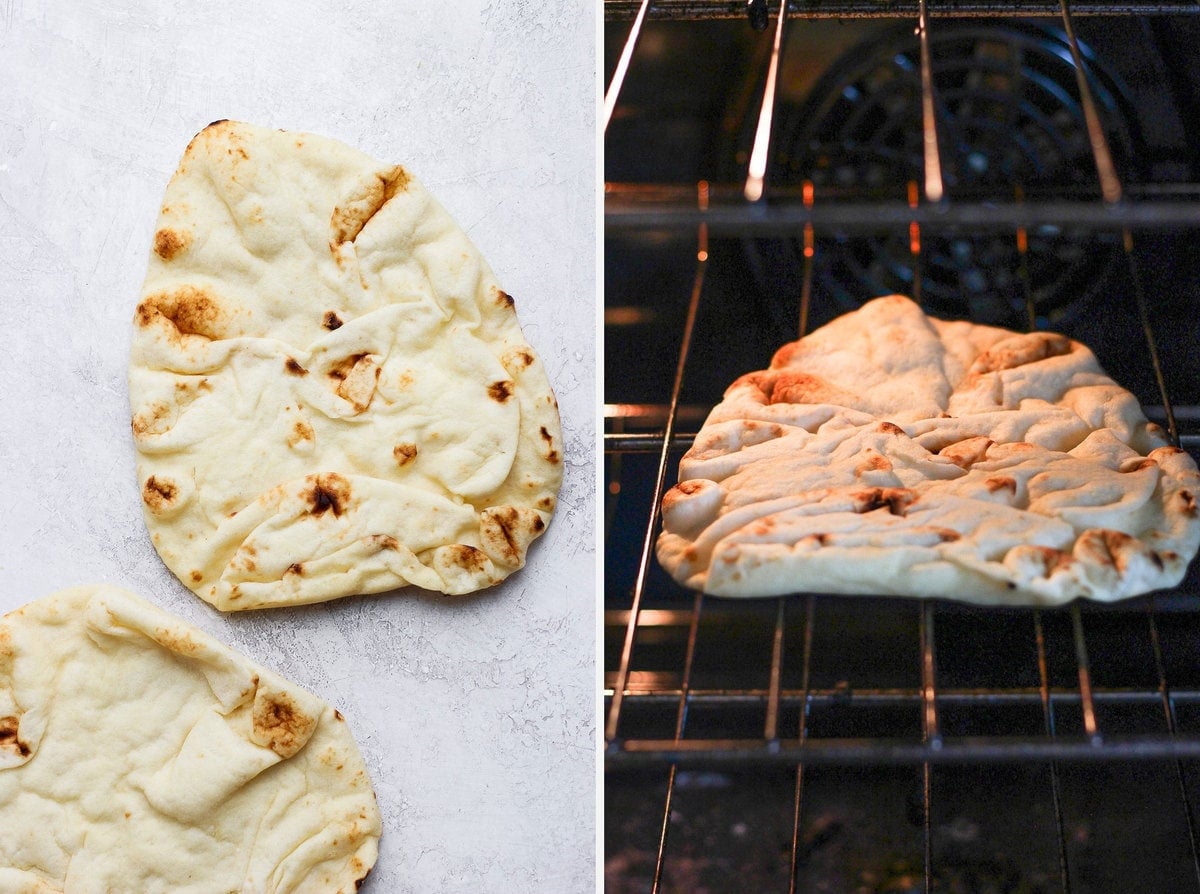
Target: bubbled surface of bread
x: 331, y: 394
x: 137, y: 753
x: 893, y: 453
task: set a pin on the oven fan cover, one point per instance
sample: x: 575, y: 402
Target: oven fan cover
x: 1008, y: 117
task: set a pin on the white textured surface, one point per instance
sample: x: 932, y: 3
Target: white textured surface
x: 476, y: 716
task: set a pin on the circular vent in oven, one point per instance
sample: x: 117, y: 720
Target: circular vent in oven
x: 1010, y: 123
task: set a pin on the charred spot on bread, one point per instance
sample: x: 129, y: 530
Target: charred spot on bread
x: 405, y: 453
x: 329, y: 492
x: 1105, y: 546
x: 331, y: 321
x: 788, y: 386
x: 168, y: 242
x: 506, y: 530
x: 1000, y: 482
x: 505, y: 521
x: 342, y: 368
x: 874, y: 462
x: 501, y: 391
x: 325, y: 499
x: 895, y: 499
x: 9, y: 736
x: 349, y: 218
x: 1034, y: 346
x: 294, y: 368
x: 468, y: 557
x: 551, y: 453
x: 967, y: 452
x: 188, y: 310
x: 357, y: 377
x: 301, y: 431
x: 159, y: 493
x: 1188, y: 499
x: 384, y: 541
x: 280, y: 724
x: 1053, y: 560
x: 146, y: 422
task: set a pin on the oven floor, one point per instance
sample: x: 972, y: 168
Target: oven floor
x: 992, y: 829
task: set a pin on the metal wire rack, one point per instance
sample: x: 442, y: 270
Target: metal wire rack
x: 773, y: 694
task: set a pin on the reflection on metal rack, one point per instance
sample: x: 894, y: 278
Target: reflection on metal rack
x: 756, y: 175
x: 786, y: 738
x: 929, y: 136
x: 618, y: 78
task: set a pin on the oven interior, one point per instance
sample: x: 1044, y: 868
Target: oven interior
x: 823, y: 743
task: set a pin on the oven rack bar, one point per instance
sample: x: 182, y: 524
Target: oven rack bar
x: 631, y: 207
x: 966, y: 750
x: 701, y: 10
x: 793, y: 698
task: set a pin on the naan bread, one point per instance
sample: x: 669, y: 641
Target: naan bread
x: 331, y: 394
x: 892, y: 453
x: 139, y: 754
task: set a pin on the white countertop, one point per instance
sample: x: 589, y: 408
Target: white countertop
x: 476, y: 717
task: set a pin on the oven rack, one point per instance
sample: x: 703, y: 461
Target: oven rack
x: 801, y: 216
x: 932, y: 745
x: 646, y: 206
x: 771, y: 723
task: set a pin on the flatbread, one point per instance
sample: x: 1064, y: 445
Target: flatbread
x: 331, y: 394
x: 892, y: 453
x: 139, y: 754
